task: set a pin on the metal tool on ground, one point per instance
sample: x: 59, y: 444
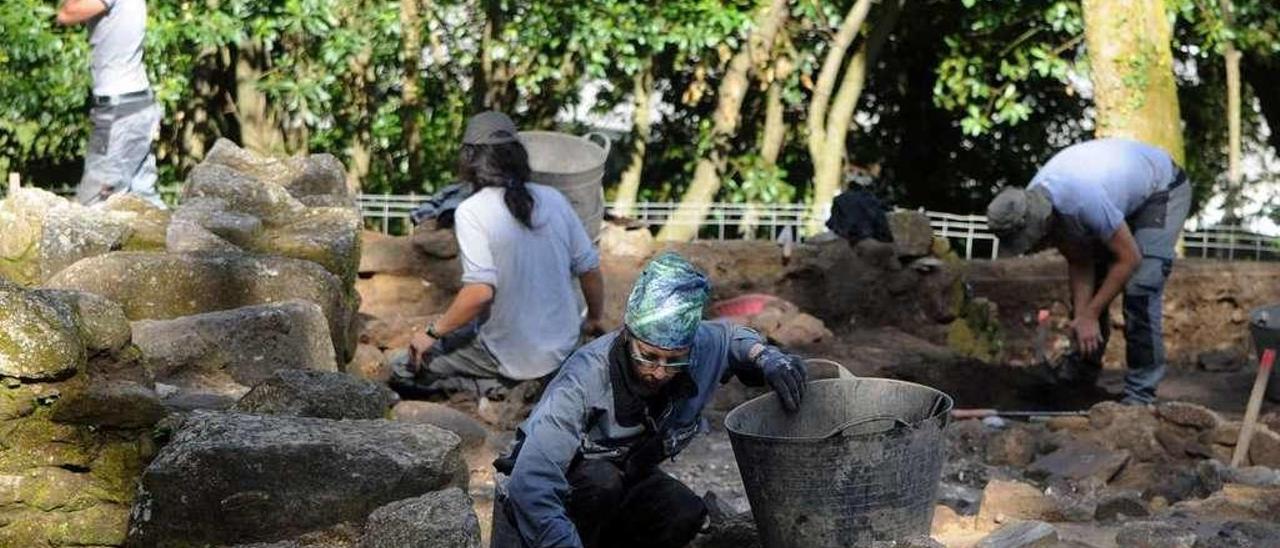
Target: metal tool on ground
x: 984, y: 413
x: 1264, y: 327
x: 1254, y: 407
x: 859, y: 462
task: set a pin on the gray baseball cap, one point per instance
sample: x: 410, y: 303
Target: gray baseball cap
x: 1020, y: 218
x: 490, y: 128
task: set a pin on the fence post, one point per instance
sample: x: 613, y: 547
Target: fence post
x: 968, y: 245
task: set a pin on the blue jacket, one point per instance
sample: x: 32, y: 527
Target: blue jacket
x: 577, y: 416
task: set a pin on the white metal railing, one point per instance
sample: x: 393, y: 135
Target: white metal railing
x: 969, y: 234
x: 1230, y: 243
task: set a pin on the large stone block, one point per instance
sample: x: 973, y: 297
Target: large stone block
x: 243, y: 193
x: 325, y: 395
x: 232, y: 187
x: 228, y: 478
x: 71, y: 234
x: 22, y: 216
x: 912, y: 235
x: 111, y: 403
x: 236, y: 348
x: 306, y: 178
x: 165, y: 286
x: 102, y: 323
x: 328, y: 236
x: 444, y: 519
x: 39, y: 338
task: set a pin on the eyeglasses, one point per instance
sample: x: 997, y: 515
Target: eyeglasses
x: 657, y: 362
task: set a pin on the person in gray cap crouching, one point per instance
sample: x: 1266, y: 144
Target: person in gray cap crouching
x: 1114, y: 208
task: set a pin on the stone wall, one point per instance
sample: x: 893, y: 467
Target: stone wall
x: 1206, y: 305
x: 115, y: 316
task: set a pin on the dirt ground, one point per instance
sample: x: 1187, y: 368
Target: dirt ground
x: 1206, y: 310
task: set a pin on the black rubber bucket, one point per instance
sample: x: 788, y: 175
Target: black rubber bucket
x: 1264, y: 327
x: 859, y: 462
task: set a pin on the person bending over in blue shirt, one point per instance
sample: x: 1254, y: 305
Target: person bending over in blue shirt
x: 1115, y: 209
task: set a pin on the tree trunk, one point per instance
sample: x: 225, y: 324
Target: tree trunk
x: 1263, y: 75
x: 706, y: 176
x: 827, y: 150
x: 1231, y: 203
x: 492, y: 85
x: 629, y: 186
x: 1133, y: 86
x: 774, y: 134
x: 410, y: 93
x: 260, y: 129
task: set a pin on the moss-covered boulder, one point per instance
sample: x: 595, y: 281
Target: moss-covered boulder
x: 328, y: 236
x: 73, y: 442
x: 41, y: 233
x: 71, y: 234
x: 102, y: 324
x: 166, y: 286
x: 21, y: 219
x: 147, y: 220
x: 39, y: 340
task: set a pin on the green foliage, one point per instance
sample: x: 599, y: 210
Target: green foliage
x: 752, y: 180
x: 1003, y: 49
x: 43, y: 87
x: 966, y: 96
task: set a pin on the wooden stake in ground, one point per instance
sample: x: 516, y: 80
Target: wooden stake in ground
x: 1255, y: 405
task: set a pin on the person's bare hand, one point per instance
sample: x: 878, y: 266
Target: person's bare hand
x: 419, y: 346
x: 1088, y: 335
x: 593, y: 328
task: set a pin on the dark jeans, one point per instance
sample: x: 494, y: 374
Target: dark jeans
x: 610, y: 510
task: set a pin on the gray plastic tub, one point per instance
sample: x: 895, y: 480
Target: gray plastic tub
x: 859, y: 462
x: 573, y: 165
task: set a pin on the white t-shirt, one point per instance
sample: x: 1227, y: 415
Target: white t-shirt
x: 116, y: 38
x: 534, y: 320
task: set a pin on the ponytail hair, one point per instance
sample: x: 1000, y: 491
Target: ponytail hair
x: 505, y: 166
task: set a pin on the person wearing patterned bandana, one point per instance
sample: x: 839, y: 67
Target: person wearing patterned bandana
x: 584, y: 470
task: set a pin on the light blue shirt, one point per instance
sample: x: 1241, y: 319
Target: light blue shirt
x: 1095, y: 185
x: 534, y: 320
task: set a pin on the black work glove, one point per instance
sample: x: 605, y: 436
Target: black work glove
x: 644, y: 457
x: 785, y: 374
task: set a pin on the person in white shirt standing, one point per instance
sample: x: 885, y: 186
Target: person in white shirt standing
x: 126, y: 118
x: 517, y: 316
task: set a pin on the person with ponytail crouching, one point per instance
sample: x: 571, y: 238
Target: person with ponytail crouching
x: 517, y: 316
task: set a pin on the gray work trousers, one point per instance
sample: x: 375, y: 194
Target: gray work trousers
x: 120, y: 158
x: 1156, y: 226
x: 459, y: 362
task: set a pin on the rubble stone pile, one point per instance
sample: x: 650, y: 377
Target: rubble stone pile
x: 172, y: 377
x: 1119, y: 473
